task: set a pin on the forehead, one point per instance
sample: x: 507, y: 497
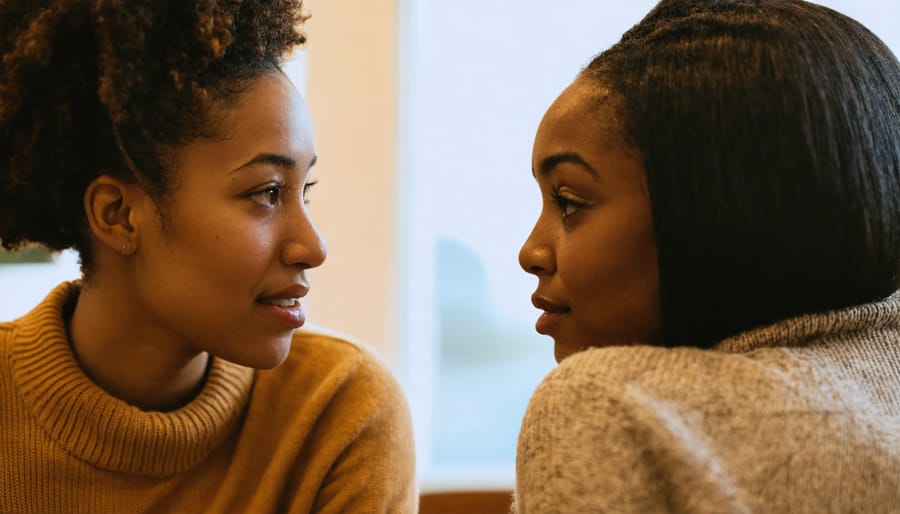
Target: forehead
x: 582, y: 115
x: 270, y: 103
x: 270, y: 117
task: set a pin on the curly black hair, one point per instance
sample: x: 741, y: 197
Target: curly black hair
x: 111, y: 87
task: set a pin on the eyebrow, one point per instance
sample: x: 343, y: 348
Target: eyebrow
x: 282, y: 161
x: 552, y: 161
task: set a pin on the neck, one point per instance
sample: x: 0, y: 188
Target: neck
x: 138, y: 365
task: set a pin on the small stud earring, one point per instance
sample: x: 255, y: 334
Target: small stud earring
x: 124, y: 248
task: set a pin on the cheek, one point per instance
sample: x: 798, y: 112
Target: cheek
x: 221, y: 245
x: 234, y: 253
x: 612, y: 275
x: 611, y: 250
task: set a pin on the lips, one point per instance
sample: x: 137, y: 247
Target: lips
x: 553, y: 314
x: 287, y: 297
x: 547, y: 305
x: 285, y: 306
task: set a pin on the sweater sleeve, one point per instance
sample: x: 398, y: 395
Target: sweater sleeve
x: 594, y: 440
x: 375, y: 472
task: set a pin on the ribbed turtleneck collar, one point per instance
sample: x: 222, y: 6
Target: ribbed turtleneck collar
x: 801, y: 329
x: 103, y: 430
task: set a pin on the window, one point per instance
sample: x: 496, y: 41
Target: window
x: 482, y: 75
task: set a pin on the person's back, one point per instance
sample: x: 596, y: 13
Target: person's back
x: 801, y: 416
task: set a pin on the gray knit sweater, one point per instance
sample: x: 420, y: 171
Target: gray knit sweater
x: 802, y: 416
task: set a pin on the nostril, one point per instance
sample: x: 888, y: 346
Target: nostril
x: 536, y: 259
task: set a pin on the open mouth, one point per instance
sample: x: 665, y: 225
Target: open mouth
x: 280, y: 302
x: 287, y: 311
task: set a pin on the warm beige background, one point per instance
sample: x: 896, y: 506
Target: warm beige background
x: 352, y: 89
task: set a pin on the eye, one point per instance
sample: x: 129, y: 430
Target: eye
x: 270, y: 196
x: 568, y: 206
x: 306, y: 188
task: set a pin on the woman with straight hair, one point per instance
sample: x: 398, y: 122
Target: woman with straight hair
x: 163, y: 142
x: 717, y: 258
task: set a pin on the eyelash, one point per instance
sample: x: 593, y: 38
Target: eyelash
x: 565, y: 204
x: 306, y: 188
x: 270, y: 196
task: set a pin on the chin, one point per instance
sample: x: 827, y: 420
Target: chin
x: 563, y: 350
x: 266, y: 363
x: 560, y: 353
x: 273, y: 358
x: 267, y: 355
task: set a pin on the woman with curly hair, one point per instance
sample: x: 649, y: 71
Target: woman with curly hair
x: 162, y: 141
x: 718, y: 257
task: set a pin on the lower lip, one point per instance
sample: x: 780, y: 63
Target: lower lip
x: 291, y: 316
x: 547, y: 322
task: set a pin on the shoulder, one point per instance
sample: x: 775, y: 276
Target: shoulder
x: 587, y: 391
x: 706, y: 378
x: 629, y: 397
x: 335, y: 413
x: 600, y: 373
x: 6, y: 334
x: 341, y: 402
x: 654, y: 411
x: 329, y: 351
x: 331, y: 367
x: 618, y: 392
x: 315, y: 341
x: 598, y: 386
x: 6, y: 328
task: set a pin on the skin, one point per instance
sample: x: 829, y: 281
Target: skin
x: 592, y: 248
x: 165, y: 296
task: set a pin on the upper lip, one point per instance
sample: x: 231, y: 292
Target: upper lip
x: 547, y: 305
x: 293, y: 291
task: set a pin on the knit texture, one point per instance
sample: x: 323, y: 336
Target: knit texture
x: 802, y: 416
x: 328, y: 431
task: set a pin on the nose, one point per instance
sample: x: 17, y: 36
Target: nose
x: 304, y: 245
x: 536, y: 255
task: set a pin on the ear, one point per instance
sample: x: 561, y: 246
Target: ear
x: 112, y: 207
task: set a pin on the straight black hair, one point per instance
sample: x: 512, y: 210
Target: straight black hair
x: 770, y: 136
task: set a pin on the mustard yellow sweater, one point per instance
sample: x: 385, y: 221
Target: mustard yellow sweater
x: 328, y: 431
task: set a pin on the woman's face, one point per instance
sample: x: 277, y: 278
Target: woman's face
x: 224, y: 269
x: 592, y: 248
